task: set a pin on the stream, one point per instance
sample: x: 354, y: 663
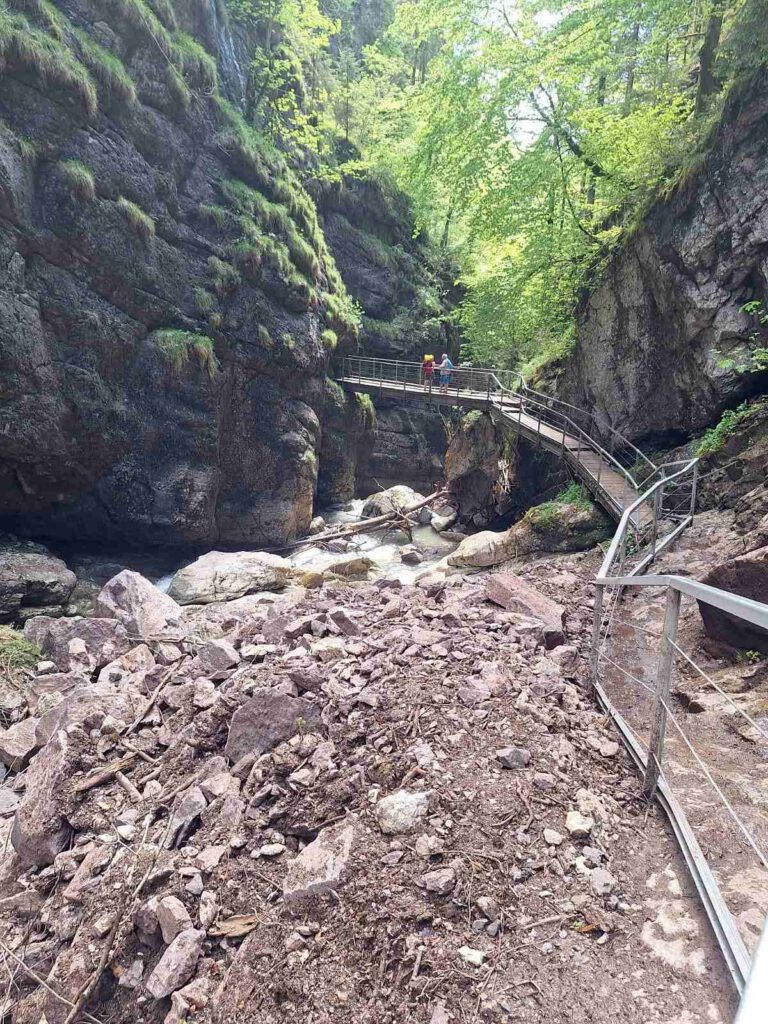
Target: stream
x: 382, y: 547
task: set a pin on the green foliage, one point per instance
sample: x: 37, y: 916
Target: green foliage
x: 140, y: 222
x: 220, y: 215
x: 178, y: 347
x: 573, y: 494
x: 165, y: 12
x: 367, y: 410
x: 329, y: 339
x: 223, y: 276
x: 143, y: 20
x: 531, y: 137
x: 715, y: 438
x: 45, y: 56
x: 106, y: 68
x: 205, y: 303
x: 195, y: 63
x: 78, y: 178
x: 16, y: 653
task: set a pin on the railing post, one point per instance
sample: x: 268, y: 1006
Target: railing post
x: 663, y: 686
x: 597, y: 623
x: 488, y: 391
x: 656, y: 510
x: 381, y: 378
x: 693, y: 489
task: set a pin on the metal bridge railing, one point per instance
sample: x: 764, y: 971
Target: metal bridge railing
x: 674, y: 495
x: 506, y: 392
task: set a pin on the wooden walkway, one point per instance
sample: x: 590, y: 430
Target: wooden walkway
x: 600, y: 474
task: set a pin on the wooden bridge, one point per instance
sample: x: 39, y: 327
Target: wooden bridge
x: 613, y: 469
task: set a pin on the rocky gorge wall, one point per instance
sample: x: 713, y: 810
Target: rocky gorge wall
x: 662, y: 335
x: 168, y: 304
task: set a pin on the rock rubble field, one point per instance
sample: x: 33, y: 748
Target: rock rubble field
x: 354, y: 802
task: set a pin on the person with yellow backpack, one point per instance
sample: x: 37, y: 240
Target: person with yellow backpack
x: 427, y: 370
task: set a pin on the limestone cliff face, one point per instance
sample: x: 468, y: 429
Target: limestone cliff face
x: 168, y: 304
x: 661, y: 334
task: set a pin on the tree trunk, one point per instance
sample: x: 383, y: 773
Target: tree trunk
x: 708, y: 84
x: 631, y: 66
x: 600, y: 99
x: 446, y: 228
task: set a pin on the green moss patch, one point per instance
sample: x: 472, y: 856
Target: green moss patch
x: 140, y: 222
x: 78, y: 178
x: 179, y: 347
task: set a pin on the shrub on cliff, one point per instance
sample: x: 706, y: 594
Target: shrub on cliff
x: 78, y: 178
x: 140, y: 222
x: 178, y: 347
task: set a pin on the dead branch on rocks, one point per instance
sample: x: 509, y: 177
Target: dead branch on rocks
x: 392, y: 518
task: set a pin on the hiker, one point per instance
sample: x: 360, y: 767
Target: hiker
x: 445, y: 368
x: 428, y: 369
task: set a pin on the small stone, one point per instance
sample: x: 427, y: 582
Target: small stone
x: 609, y: 748
x: 592, y: 856
x: 440, y: 882
x: 271, y: 850
x: 400, y: 812
x: 578, y: 824
x: 488, y: 906
x: 543, y: 780
x: 177, y: 964
x: 208, y: 909
x: 173, y: 917
x: 552, y: 838
x: 513, y: 757
x: 218, y: 785
x: 210, y: 857
x: 294, y: 942
x: 601, y: 881
x: 130, y: 977
x: 102, y: 925
x: 475, y: 957
x: 17, y: 744
x: 322, y: 865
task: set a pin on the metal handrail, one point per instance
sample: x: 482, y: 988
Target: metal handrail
x: 626, y: 518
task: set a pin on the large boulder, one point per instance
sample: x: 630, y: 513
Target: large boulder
x: 40, y: 830
x: 394, y: 499
x: 746, y: 576
x: 105, y: 639
x: 482, y: 549
x: 267, y: 719
x: 88, y: 706
x: 140, y: 607
x: 515, y: 595
x: 553, y: 526
x: 226, y: 575
x: 31, y: 577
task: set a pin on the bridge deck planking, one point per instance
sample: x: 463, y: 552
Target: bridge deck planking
x: 610, y: 480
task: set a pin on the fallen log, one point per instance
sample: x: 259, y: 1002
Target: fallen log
x: 366, y: 525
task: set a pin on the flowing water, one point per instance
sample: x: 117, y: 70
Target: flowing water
x: 233, y: 77
x: 382, y: 547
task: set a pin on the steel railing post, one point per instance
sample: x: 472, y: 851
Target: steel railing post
x: 655, y: 534
x: 488, y: 392
x: 597, y: 623
x: 663, y: 686
x: 694, y: 487
x: 381, y: 379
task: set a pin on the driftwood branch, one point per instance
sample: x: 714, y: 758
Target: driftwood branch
x: 369, y: 525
